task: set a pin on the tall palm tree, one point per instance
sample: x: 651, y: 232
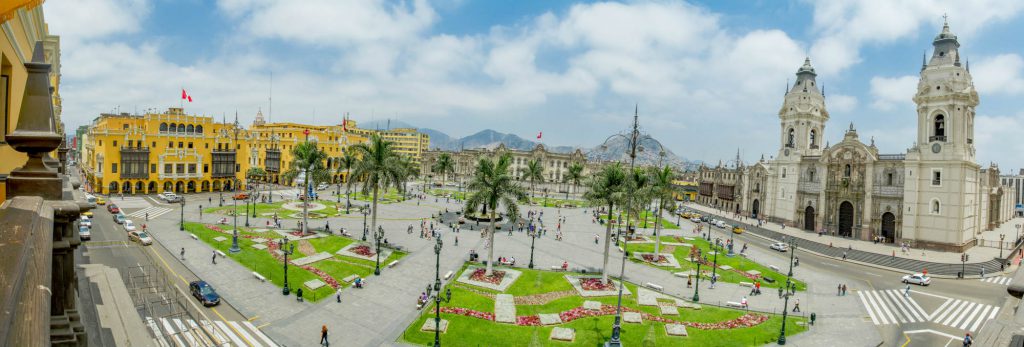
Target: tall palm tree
x: 663, y: 190
x: 534, y: 172
x: 608, y: 188
x: 444, y: 166
x: 574, y: 176
x: 308, y: 159
x: 493, y: 185
x: 380, y: 168
x: 345, y: 163
x: 411, y: 172
x: 639, y: 197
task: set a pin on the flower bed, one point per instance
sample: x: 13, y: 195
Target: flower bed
x: 272, y: 246
x: 468, y: 313
x: 650, y: 258
x: 744, y: 321
x: 362, y: 250
x: 533, y: 320
x: 595, y: 284
x: 494, y: 278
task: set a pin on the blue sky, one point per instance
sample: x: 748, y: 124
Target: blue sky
x: 708, y: 75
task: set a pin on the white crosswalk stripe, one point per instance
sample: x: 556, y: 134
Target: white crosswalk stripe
x: 175, y: 332
x: 998, y: 280
x: 153, y: 211
x: 964, y: 315
x: 891, y: 307
x: 130, y: 202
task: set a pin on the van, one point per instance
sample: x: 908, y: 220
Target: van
x: 91, y: 199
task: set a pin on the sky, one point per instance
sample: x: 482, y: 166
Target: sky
x: 707, y: 77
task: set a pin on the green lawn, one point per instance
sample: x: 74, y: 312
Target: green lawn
x: 558, y: 202
x: 682, y: 254
x: 263, y: 263
x: 447, y: 192
x: 590, y: 331
x: 647, y: 220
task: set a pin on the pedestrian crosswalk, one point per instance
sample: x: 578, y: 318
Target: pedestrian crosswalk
x: 152, y: 211
x: 964, y: 315
x: 998, y: 280
x: 174, y: 332
x: 130, y: 202
x: 891, y: 306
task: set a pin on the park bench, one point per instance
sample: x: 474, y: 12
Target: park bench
x: 774, y: 268
x: 350, y: 278
x: 194, y: 237
x: 556, y: 268
x: 734, y: 304
x: 419, y: 305
x: 654, y: 286
x: 393, y: 263
x: 220, y: 253
x: 448, y: 275
x: 258, y: 276
x: 747, y: 284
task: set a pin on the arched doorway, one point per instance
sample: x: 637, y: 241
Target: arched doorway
x: 737, y: 208
x: 168, y: 186
x: 227, y: 185
x: 755, y: 209
x: 216, y: 186
x: 889, y: 227
x: 138, y: 187
x: 809, y: 218
x: 191, y: 186
x: 152, y: 188
x: 180, y: 187
x: 113, y: 188
x: 126, y: 187
x: 206, y: 186
x: 846, y: 219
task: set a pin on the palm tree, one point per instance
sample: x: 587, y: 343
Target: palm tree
x: 411, y: 172
x: 308, y: 159
x: 639, y: 197
x: 444, y: 166
x: 534, y: 172
x: 493, y: 185
x: 663, y: 190
x: 574, y: 176
x: 608, y: 188
x: 345, y: 163
x: 380, y: 168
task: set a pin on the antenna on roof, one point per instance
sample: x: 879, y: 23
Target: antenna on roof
x: 270, y: 99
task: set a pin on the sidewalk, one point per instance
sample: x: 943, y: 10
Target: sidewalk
x: 869, y: 253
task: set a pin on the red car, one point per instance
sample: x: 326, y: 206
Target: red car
x: 113, y: 208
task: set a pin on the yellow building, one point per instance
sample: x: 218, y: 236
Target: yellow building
x: 270, y: 141
x: 408, y: 141
x: 23, y: 26
x: 685, y: 190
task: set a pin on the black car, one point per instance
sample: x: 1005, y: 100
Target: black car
x: 204, y: 292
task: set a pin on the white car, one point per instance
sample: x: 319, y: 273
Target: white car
x: 695, y: 220
x: 779, y: 246
x: 141, y: 237
x: 85, y: 221
x: 321, y: 186
x: 720, y: 224
x: 129, y: 226
x: 918, y: 279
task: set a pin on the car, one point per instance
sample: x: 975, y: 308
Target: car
x: 918, y: 279
x: 84, y: 232
x: 779, y: 246
x: 737, y: 229
x: 119, y: 218
x: 241, y: 196
x: 129, y: 226
x: 112, y: 208
x: 169, y: 197
x: 141, y: 237
x: 87, y: 214
x: 85, y: 221
x: 321, y: 186
x: 720, y: 224
x: 204, y: 293
x: 91, y: 199
x: 695, y: 219
x: 101, y: 201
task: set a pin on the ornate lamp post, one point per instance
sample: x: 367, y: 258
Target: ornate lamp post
x: 714, y: 268
x: 696, y: 286
x: 732, y: 241
x: 785, y: 303
x: 533, y: 238
x: 234, y: 233
x: 253, y: 196
x: 1001, y: 238
x: 366, y: 212
x: 181, y: 226
x: 286, y: 251
x: 377, y: 237
x: 247, y: 211
x: 437, y: 288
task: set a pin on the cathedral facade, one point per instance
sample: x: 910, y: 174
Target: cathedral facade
x: 932, y: 196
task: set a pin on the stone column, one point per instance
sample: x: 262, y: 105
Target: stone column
x: 35, y: 135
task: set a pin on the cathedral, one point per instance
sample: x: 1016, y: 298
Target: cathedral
x: 933, y: 196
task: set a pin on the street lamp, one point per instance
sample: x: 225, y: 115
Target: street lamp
x: 247, y: 212
x: 696, y: 287
x: 366, y: 212
x: 234, y: 233
x: 286, y: 251
x: 437, y: 288
x: 785, y: 303
x: 253, y: 196
x: 181, y: 226
x: 1018, y: 234
x: 714, y: 268
x: 1001, y: 238
x: 377, y: 237
x: 533, y: 238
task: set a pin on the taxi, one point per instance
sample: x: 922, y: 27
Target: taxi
x: 737, y: 229
x: 101, y: 201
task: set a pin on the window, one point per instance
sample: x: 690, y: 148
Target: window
x: 190, y: 129
x: 189, y: 145
x: 163, y: 127
x: 179, y: 168
x: 115, y: 143
x: 154, y: 144
x: 173, y: 128
x: 130, y: 143
x: 124, y: 126
x: 790, y: 138
x: 847, y: 171
x: 810, y: 174
x: 191, y: 168
x: 813, y: 137
x: 935, y: 207
x: 199, y: 129
x: 206, y: 145
x: 888, y: 179
x: 152, y: 168
x: 113, y: 168
x: 181, y: 144
x: 936, y: 178
x: 167, y: 168
x: 783, y: 172
x: 170, y: 144
x: 206, y: 168
x: 940, y: 125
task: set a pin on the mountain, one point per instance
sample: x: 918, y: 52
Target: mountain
x: 488, y: 138
x: 440, y: 140
x: 617, y: 149
x: 383, y: 124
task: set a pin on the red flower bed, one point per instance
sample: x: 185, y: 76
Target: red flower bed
x: 650, y: 258
x: 272, y: 246
x: 297, y: 233
x: 595, y: 284
x: 362, y: 250
x: 468, y: 313
x: 533, y: 320
x: 494, y: 278
x: 744, y: 321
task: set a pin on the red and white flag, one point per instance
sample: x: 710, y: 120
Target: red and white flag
x: 185, y: 96
x: 344, y: 124
x: 539, y: 134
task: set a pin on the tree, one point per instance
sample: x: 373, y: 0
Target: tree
x: 345, y: 163
x: 534, y: 172
x: 664, y: 191
x: 255, y: 172
x: 308, y: 159
x: 380, y: 168
x: 492, y: 185
x: 444, y: 166
x: 574, y: 176
x: 608, y: 188
x: 639, y: 188
x: 411, y: 172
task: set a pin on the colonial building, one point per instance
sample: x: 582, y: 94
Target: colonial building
x: 1016, y: 188
x: 932, y: 196
x: 555, y: 165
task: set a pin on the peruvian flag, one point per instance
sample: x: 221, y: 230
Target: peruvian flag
x: 539, y: 134
x: 185, y: 96
x: 344, y: 124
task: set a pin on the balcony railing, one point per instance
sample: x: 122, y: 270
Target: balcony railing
x: 940, y: 138
x: 814, y: 146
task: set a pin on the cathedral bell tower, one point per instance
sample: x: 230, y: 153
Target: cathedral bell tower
x: 803, y: 115
x: 946, y: 102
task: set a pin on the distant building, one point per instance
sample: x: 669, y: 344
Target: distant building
x: 556, y: 165
x: 1016, y: 188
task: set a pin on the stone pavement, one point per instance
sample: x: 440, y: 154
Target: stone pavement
x: 869, y: 253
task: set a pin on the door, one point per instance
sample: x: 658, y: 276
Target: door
x: 889, y: 227
x: 809, y: 218
x: 755, y: 209
x: 846, y: 219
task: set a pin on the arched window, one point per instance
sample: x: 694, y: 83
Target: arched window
x: 813, y: 137
x: 199, y: 129
x: 163, y: 127
x: 810, y: 174
x: 783, y: 172
x: 889, y: 179
x: 847, y: 170
x: 181, y: 128
x: 935, y: 206
x: 791, y: 138
x: 940, y: 125
x: 190, y: 129
x: 173, y: 128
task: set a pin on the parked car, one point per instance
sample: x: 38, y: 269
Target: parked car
x: 241, y: 196
x: 91, y: 199
x: 129, y: 226
x: 84, y: 232
x: 779, y: 246
x: 321, y: 186
x: 918, y: 279
x: 721, y: 224
x: 119, y: 218
x: 141, y: 237
x: 204, y: 293
x: 695, y: 219
x: 169, y: 197
x: 101, y: 201
x: 87, y: 214
x: 112, y: 208
x: 85, y: 221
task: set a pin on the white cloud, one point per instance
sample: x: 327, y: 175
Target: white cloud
x: 88, y: 19
x: 890, y: 93
x: 1001, y: 74
x: 840, y: 103
x: 996, y: 138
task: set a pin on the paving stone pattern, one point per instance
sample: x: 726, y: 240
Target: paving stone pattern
x: 592, y: 305
x: 505, y: 308
x: 549, y: 318
x: 675, y: 329
x: 632, y: 317
x: 428, y: 325
x: 563, y: 334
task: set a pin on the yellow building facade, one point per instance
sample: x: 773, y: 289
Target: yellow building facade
x: 408, y: 141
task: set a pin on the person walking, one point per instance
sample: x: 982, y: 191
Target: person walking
x: 214, y: 257
x: 968, y: 340
x: 796, y: 305
x: 744, y: 303
x: 323, y: 336
x: 844, y: 289
x: 182, y: 253
x: 839, y: 290
x: 906, y: 292
x: 689, y: 282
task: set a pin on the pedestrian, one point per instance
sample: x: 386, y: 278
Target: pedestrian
x: 456, y: 240
x: 894, y: 255
x: 796, y: 306
x: 338, y: 295
x: 298, y: 294
x: 214, y: 257
x: 844, y: 256
x: 839, y: 290
x: 147, y: 216
x: 968, y: 340
x: 689, y: 282
x: 182, y: 253
x: 744, y: 303
x: 596, y: 238
x: 323, y: 336
x: 906, y: 292
x: 844, y: 289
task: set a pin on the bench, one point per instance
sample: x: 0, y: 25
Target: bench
x: 654, y: 286
x: 220, y: 253
x: 747, y: 284
x: 448, y: 275
x: 194, y: 237
x: 774, y: 268
x: 419, y: 305
x: 350, y: 278
x: 556, y: 268
x: 734, y: 304
x: 393, y: 263
x: 620, y: 249
x: 258, y: 276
